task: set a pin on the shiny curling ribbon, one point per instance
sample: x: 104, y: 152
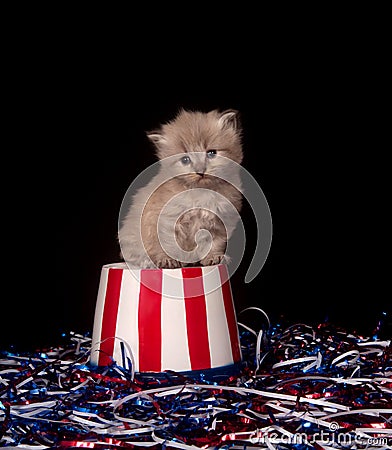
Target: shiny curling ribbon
x: 317, y: 386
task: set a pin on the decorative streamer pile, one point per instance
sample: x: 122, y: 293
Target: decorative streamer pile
x: 299, y: 387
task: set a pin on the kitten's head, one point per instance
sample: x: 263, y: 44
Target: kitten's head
x: 197, y: 145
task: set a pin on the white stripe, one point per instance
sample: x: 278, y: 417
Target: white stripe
x: 175, y: 350
x: 211, y: 279
x: 116, y: 265
x: 127, y: 327
x: 218, y: 330
x: 99, y: 307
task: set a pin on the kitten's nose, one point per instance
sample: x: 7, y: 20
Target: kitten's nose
x: 199, y: 164
x: 200, y: 169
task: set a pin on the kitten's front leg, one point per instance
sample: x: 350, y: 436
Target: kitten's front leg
x: 211, y: 260
x: 158, y: 256
x: 217, y: 254
x: 165, y: 262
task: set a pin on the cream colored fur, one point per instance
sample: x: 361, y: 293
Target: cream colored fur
x: 188, y: 211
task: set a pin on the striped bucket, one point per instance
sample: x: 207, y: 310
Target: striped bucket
x: 153, y: 320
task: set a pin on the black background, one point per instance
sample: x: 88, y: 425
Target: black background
x: 312, y: 125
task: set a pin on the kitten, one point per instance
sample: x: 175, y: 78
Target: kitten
x: 187, y: 212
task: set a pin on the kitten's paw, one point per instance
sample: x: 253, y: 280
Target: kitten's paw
x: 211, y: 260
x: 167, y: 263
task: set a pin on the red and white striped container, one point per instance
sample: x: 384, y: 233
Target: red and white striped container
x: 152, y: 320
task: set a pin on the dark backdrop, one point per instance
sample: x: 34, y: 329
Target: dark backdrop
x: 310, y: 140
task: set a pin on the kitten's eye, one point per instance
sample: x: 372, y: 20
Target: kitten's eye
x: 185, y: 160
x: 211, y: 153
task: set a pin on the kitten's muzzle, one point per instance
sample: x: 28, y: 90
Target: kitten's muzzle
x: 199, y: 167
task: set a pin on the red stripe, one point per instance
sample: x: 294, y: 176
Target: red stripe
x: 196, y: 318
x: 109, y: 319
x: 230, y: 314
x: 150, y: 335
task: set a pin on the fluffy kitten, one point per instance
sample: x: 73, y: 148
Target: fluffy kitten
x: 196, y: 188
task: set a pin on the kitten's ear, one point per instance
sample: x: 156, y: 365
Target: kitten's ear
x: 156, y: 137
x: 230, y: 118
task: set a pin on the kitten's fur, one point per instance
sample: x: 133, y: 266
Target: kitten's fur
x: 202, y: 137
